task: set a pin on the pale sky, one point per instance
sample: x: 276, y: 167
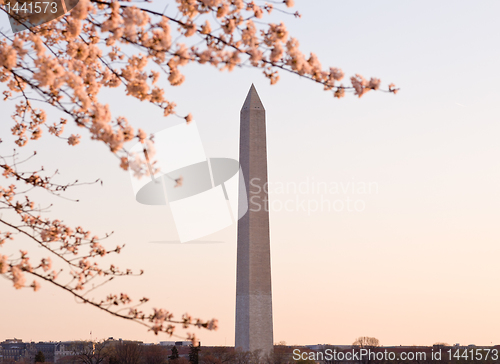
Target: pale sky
x: 418, y: 265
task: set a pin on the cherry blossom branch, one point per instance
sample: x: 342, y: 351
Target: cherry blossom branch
x: 64, y: 64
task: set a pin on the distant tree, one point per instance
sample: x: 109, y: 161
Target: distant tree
x: 39, y: 357
x: 304, y: 361
x: 256, y: 356
x: 69, y: 359
x: 194, y: 354
x: 154, y: 354
x: 126, y: 353
x: 91, y: 352
x: 241, y: 357
x: 366, y: 341
x: 334, y: 360
x: 280, y: 355
x: 175, y: 353
x: 219, y: 355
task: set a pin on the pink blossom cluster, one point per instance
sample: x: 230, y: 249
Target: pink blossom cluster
x: 74, y: 57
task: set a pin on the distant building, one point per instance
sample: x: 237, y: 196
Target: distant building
x: 66, y: 348
x: 175, y: 343
x: 48, y: 349
x: 15, y: 349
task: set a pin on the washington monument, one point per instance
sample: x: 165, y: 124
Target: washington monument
x: 254, y: 315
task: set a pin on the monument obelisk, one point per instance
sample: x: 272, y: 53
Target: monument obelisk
x: 254, y: 316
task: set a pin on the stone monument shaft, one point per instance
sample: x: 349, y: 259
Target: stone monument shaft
x: 254, y: 317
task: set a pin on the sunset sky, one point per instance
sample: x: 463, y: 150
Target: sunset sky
x: 418, y: 265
